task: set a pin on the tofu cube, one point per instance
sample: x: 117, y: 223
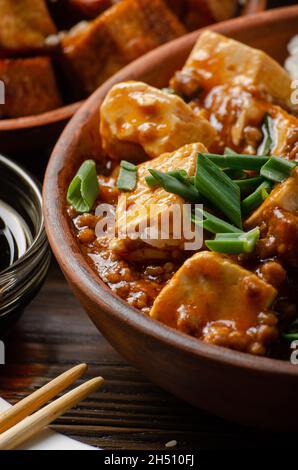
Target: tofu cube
x: 25, y: 25
x: 284, y: 196
x: 139, y: 121
x: 121, y: 34
x: 30, y: 87
x: 146, y: 206
x: 278, y: 219
x: 217, y: 60
x: 211, y: 295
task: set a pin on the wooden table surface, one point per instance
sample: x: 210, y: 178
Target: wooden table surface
x: 128, y: 412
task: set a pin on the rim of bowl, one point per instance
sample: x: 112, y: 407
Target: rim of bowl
x: 80, y: 272
x: 36, y: 187
x: 67, y: 111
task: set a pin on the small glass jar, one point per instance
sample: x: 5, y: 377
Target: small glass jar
x: 21, y: 280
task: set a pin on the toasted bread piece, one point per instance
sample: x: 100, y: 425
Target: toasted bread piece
x: 135, y: 208
x: 30, y: 87
x: 209, y: 296
x: 118, y: 36
x: 138, y: 121
x: 25, y: 24
x: 217, y: 60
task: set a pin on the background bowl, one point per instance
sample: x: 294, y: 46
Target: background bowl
x: 25, y: 136
x: 237, y: 386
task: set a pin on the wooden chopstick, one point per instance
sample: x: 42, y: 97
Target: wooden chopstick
x: 31, y: 425
x: 38, y: 398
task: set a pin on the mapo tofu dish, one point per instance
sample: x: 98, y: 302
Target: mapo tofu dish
x: 213, y: 155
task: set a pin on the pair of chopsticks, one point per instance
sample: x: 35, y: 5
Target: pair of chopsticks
x: 19, y: 424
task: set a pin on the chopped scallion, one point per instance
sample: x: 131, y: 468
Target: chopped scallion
x: 229, y: 151
x: 175, y: 186
x: 254, y: 200
x: 267, y: 143
x: 249, y: 184
x: 238, y: 161
x: 84, y: 188
x: 181, y: 175
x: 169, y: 91
x: 218, y: 188
x: 235, y: 173
x: 212, y: 223
x: 292, y: 336
x: 277, y: 169
x: 234, y: 243
x: 127, y: 178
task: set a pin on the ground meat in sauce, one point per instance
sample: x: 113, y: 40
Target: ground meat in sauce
x: 138, y: 284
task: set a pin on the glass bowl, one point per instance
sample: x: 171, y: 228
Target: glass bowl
x: 23, y: 275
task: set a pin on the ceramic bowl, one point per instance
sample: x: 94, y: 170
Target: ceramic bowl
x: 250, y: 390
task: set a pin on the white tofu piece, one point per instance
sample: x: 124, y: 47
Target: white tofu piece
x: 216, y: 60
x: 146, y: 206
x: 137, y: 121
x: 284, y: 196
x: 211, y: 290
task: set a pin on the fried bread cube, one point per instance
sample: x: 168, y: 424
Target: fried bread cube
x: 118, y: 36
x: 137, y: 120
x: 216, y: 300
x: 217, y: 60
x: 278, y: 220
x: 30, y: 87
x: 147, y: 206
x: 25, y: 25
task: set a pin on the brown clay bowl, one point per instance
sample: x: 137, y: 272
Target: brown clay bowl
x: 237, y: 386
x: 27, y: 136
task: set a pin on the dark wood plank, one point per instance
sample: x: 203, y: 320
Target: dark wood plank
x: 129, y: 412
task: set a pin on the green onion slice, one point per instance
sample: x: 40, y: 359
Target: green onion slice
x: 249, y: 184
x: 169, y: 91
x: 127, y: 178
x: 175, y: 186
x: 218, y: 188
x: 213, y: 224
x: 84, y: 188
x: 181, y: 175
x: 277, y: 169
x: 292, y: 334
x: 238, y: 161
x: 254, y: 200
x: 235, y: 173
x: 234, y: 243
x: 229, y: 151
x: 267, y: 144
